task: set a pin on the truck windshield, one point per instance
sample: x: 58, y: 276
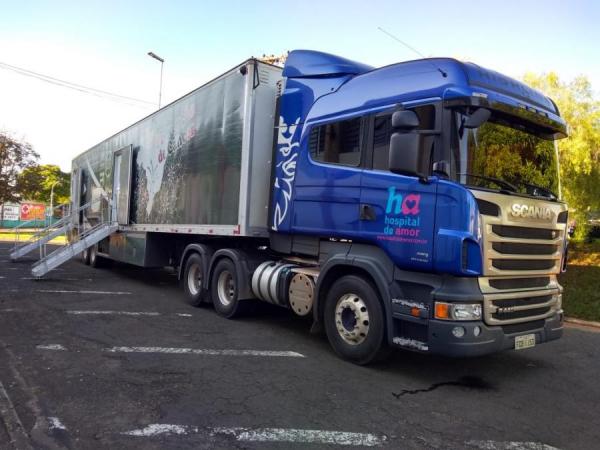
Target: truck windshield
x: 503, y: 156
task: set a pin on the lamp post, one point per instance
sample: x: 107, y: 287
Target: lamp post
x: 162, y: 61
x: 52, y: 201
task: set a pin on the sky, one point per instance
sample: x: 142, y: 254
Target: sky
x: 104, y: 45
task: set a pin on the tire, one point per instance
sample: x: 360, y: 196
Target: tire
x: 95, y: 259
x: 354, y: 320
x: 85, y: 256
x: 224, y: 290
x: 193, y: 280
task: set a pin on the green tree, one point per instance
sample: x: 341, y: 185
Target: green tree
x: 579, y: 154
x: 35, y: 183
x: 15, y: 156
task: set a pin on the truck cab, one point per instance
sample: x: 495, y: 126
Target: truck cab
x: 435, y: 183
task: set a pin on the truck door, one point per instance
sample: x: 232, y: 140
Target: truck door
x: 328, y: 180
x: 121, y: 185
x: 397, y: 212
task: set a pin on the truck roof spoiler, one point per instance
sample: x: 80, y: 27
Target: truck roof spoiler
x: 310, y: 63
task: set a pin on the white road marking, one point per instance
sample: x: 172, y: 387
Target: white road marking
x: 57, y: 347
x: 116, y: 313
x: 155, y: 429
x: 57, y: 279
x: 204, y: 352
x: 510, y: 445
x: 266, y: 434
x: 304, y: 436
x: 104, y: 313
x: 60, y: 291
x: 54, y: 423
x: 1, y: 278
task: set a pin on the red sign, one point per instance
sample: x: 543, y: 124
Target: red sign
x: 33, y: 211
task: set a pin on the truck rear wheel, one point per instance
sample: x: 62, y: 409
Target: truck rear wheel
x: 225, y: 290
x: 354, y: 320
x: 193, y: 278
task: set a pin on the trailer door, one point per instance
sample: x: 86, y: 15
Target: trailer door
x: 75, y: 194
x: 121, y: 185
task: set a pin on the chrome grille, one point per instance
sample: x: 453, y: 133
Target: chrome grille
x: 523, y: 264
x: 519, y: 283
x: 516, y: 307
x: 517, y: 246
x: 521, y: 258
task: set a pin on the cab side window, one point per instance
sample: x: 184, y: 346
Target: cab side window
x: 382, y: 132
x: 337, y: 143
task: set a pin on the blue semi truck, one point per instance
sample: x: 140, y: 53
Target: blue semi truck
x: 415, y: 205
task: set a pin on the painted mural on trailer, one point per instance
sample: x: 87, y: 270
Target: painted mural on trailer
x: 186, y: 159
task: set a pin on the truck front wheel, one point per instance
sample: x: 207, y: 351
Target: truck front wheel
x: 354, y: 320
x: 224, y: 289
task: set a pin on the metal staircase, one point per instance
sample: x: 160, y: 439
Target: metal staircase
x: 63, y: 254
x: 39, y: 239
x: 78, y: 243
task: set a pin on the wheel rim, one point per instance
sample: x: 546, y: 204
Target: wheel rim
x: 352, y: 319
x: 92, y: 256
x: 194, y: 279
x: 226, y: 288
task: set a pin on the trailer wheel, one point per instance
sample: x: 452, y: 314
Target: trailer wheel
x: 85, y: 256
x: 354, y: 320
x: 95, y: 260
x: 224, y: 289
x: 193, y: 277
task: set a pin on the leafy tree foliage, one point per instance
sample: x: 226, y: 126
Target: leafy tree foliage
x: 35, y: 183
x: 515, y: 156
x: 579, y: 154
x: 15, y: 156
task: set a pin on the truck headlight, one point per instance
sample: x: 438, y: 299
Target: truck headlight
x: 457, y: 311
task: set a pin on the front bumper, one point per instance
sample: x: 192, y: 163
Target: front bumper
x: 492, y: 339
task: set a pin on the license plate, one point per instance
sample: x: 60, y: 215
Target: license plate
x: 525, y: 341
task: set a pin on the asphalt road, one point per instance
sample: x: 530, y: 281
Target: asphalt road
x: 115, y: 358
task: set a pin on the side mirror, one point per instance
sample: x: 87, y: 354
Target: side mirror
x: 405, y: 119
x: 404, y: 154
x: 478, y: 118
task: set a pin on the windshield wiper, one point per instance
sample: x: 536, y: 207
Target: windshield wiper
x: 505, y: 184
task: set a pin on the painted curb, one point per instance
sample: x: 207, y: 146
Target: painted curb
x: 585, y: 323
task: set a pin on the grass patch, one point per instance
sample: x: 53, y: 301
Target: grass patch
x: 581, y: 297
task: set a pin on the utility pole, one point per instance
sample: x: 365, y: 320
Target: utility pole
x: 52, y: 202
x: 162, y: 61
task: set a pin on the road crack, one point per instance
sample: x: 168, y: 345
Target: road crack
x: 470, y: 382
